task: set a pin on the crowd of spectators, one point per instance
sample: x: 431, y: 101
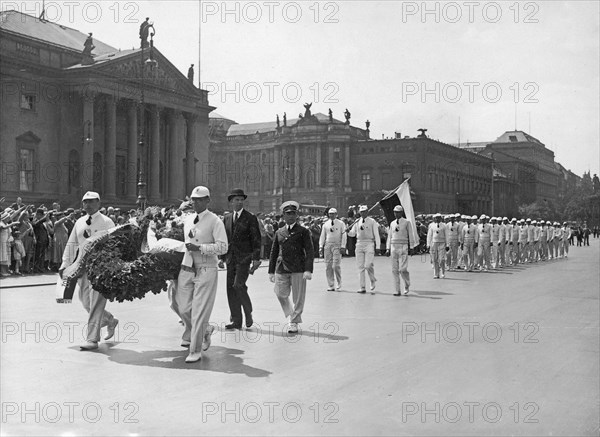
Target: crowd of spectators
x: 33, y: 238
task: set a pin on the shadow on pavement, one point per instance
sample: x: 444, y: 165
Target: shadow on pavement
x: 306, y: 332
x: 218, y: 359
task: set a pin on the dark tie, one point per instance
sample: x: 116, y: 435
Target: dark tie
x: 235, y: 217
x: 197, y: 219
x: 331, y: 222
x: 89, y: 220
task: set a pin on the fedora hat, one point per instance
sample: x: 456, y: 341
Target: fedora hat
x: 236, y: 192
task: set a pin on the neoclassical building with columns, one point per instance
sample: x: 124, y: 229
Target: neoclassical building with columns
x: 72, y: 118
x: 307, y: 159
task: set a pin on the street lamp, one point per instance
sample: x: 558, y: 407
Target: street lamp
x: 286, y: 169
x: 87, y: 139
x: 151, y: 62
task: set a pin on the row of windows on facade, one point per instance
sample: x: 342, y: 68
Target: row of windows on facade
x: 436, y: 183
x: 29, y: 177
x: 478, y: 206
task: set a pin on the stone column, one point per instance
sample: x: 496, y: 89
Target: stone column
x: 297, y: 167
x: 319, y: 165
x: 87, y: 156
x: 110, y: 148
x: 277, y: 169
x: 347, y: 165
x: 330, y: 166
x: 190, y: 155
x: 175, y: 167
x: 132, y: 150
x: 153, y: 173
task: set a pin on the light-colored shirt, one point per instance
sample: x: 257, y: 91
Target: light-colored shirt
x: 522, y: 234
x: 452, y: 229
x: 334, y: 234
x: 468, y: 234
x: 209, y: 234
x: 484, y: 233
x: 495, y: 238
x: 366, y: 230
x: 81, y: 232
x: 398, y: 232
x: 437, y: 233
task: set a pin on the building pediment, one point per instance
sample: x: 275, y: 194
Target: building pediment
x: 127, y: 67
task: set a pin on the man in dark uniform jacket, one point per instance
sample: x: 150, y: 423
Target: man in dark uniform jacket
x: 42, y: 238
x: 243, y: 235
x: 291, y: 264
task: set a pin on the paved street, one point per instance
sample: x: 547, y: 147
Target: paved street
x: 510, y: 352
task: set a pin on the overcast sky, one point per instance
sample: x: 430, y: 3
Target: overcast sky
x: 394, y: 63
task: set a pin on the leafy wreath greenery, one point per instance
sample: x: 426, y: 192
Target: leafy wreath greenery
x: 119, y: 270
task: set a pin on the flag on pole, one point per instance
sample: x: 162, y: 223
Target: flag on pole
x: 401, y: 196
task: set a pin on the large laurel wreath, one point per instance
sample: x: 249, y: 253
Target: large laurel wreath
x: 119, y: 270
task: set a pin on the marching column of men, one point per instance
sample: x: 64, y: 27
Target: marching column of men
x: 458, y: 243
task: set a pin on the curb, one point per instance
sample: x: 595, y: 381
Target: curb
x: 39, y: 284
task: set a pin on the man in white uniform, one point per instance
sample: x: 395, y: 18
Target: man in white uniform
x: 467, y: 242
x: 398, y: 242
x: 332, y: 243
x: 366, y: 231
x: 93, y: 302
x: 205, y: 239
x: 452, y: 254
x: 484, y: 236
x: 438, y: 244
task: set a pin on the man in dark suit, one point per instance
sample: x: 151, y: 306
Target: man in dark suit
x: 243, y: 234
x: 291, y: 264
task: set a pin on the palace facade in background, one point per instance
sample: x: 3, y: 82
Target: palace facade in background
x: 71, y: 119
x: 80, y: 115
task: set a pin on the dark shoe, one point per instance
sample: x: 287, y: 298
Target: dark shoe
x: 233, y: 326
x: 361, y: 291
x: 249, y: 322
x: 397, y: 294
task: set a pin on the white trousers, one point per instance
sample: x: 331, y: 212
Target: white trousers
x: 399, y: 255
x: 195, y: 298
x: 365, y: 255
x: 438, y: 253
x: 94, y: 303
x: 469, y: 255
x: 333, y: 260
